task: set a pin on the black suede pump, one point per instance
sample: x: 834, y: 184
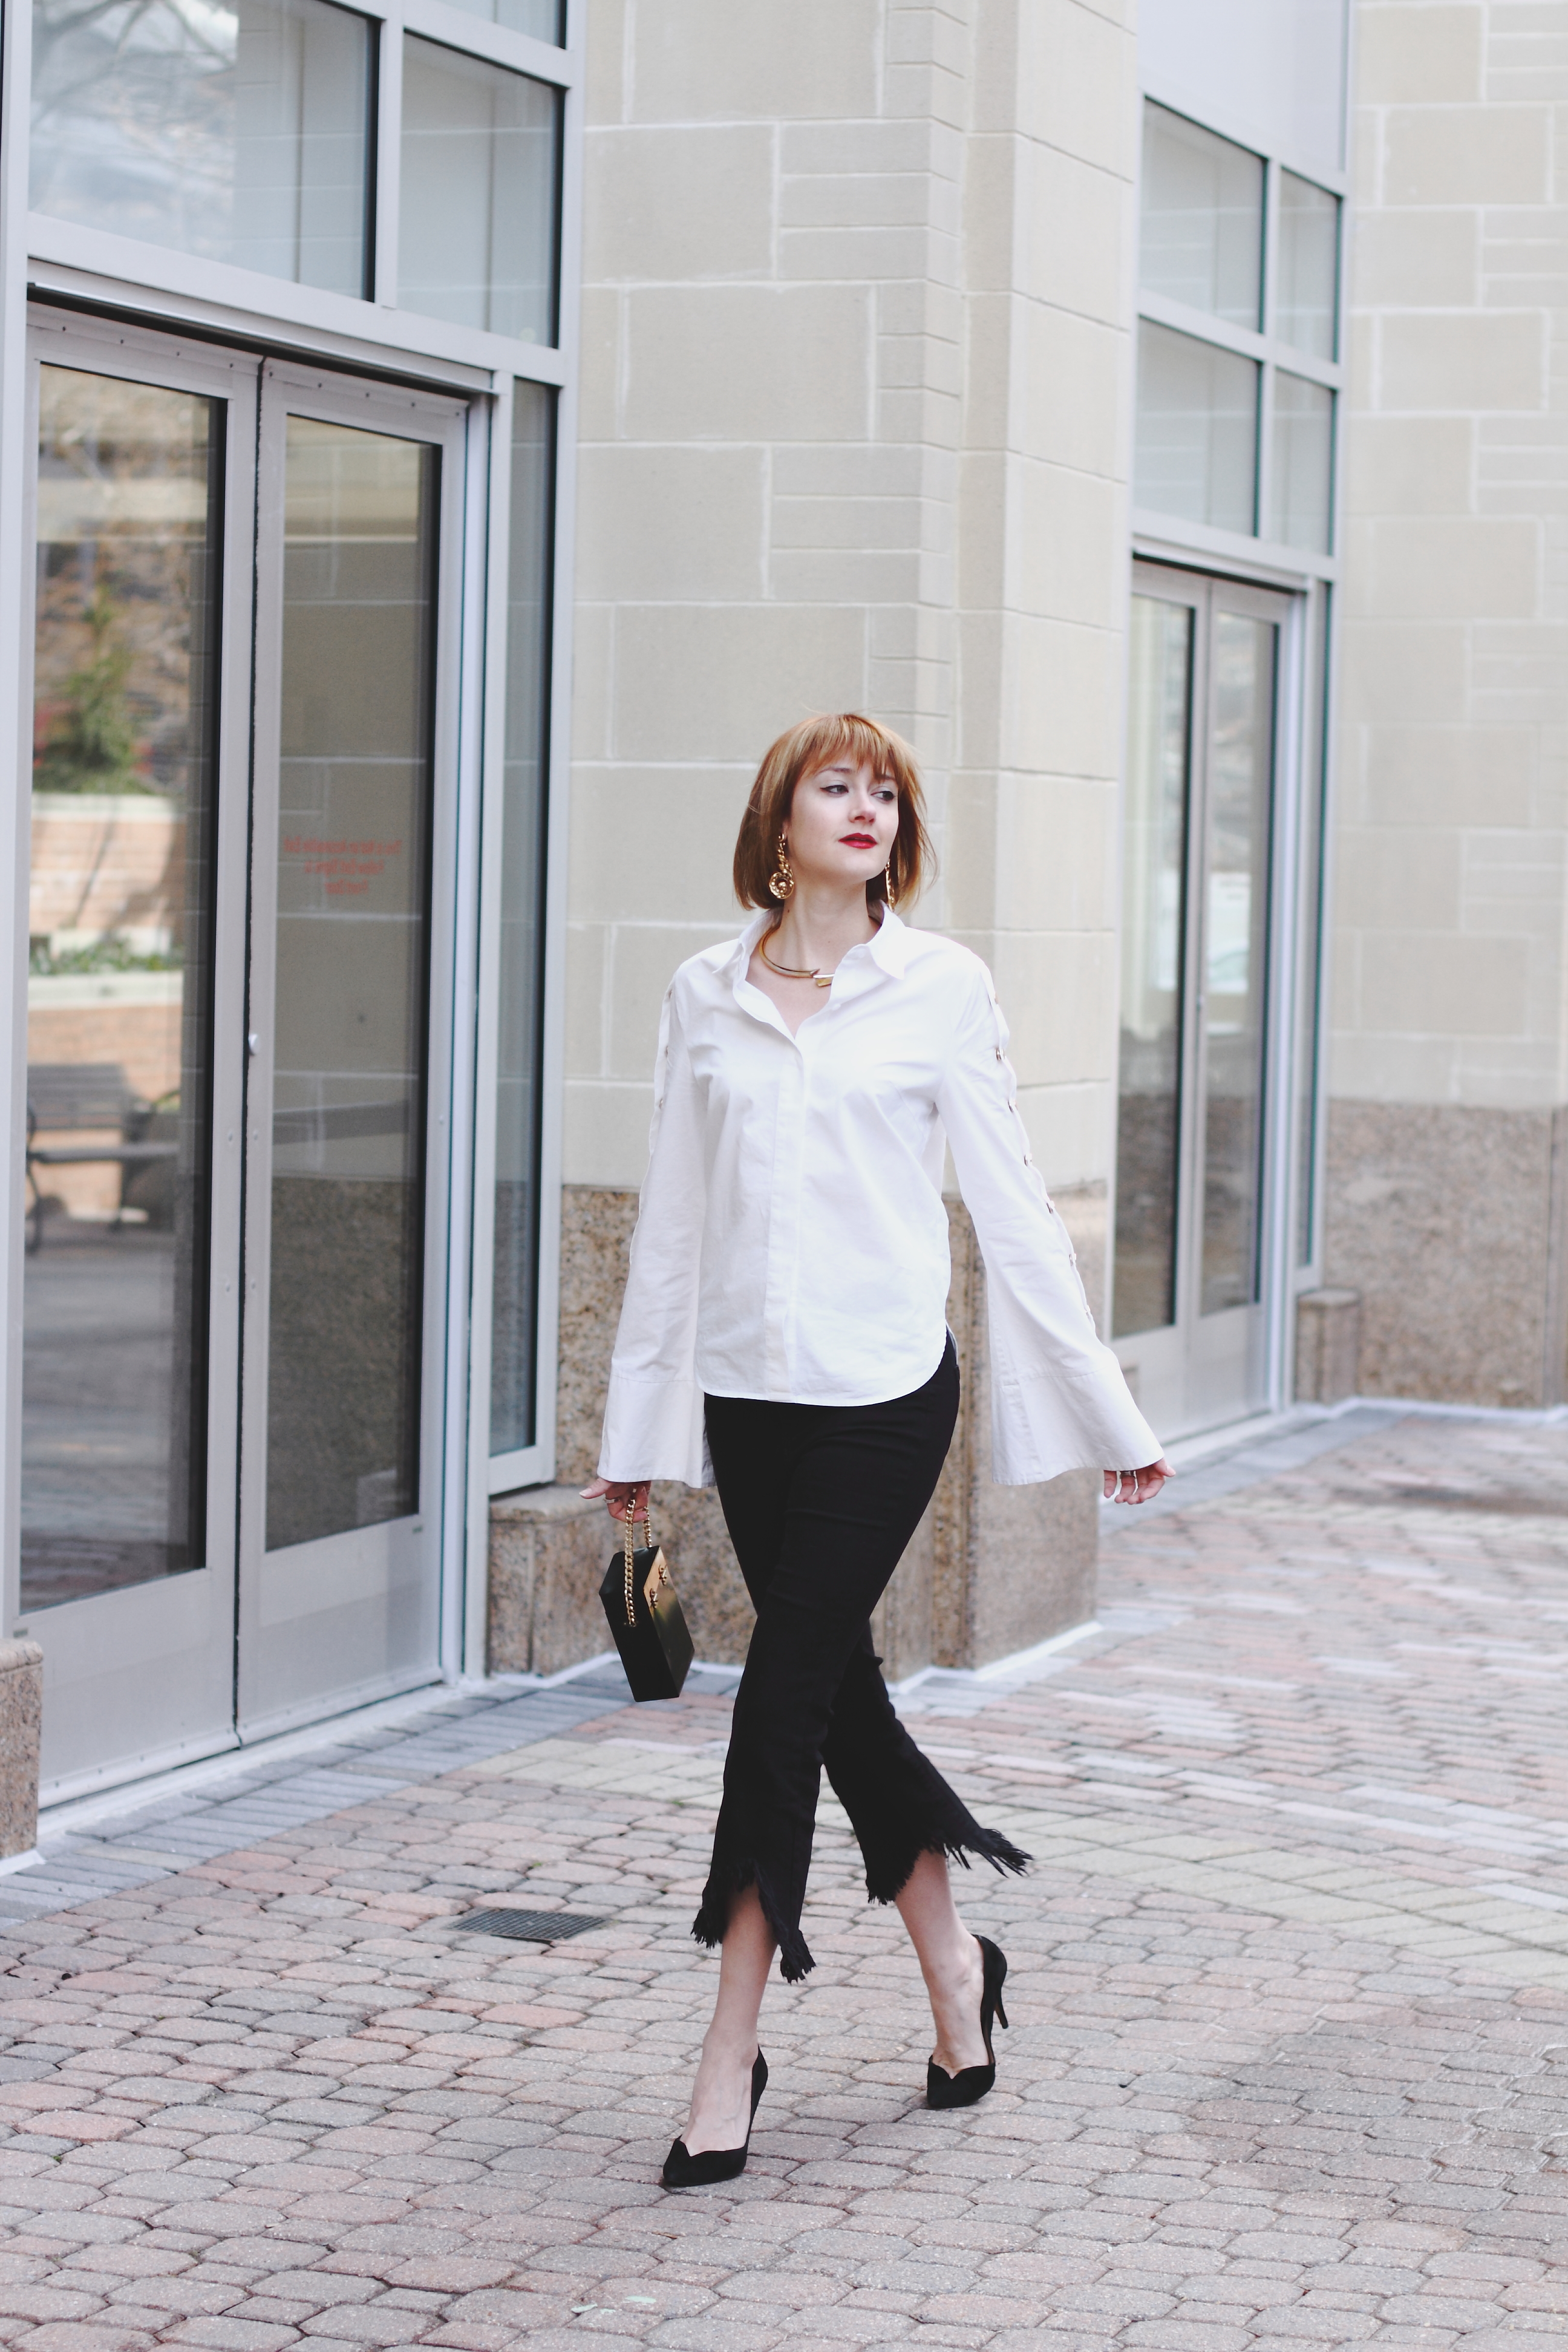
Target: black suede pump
x: 961, y: 2090
x: 700, y: 2171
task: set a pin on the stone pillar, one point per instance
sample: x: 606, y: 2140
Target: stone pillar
x: 21, y: 1725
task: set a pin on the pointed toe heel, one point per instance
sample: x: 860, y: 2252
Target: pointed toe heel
x: 972, y: 2083
x: 960, y: 2089
x: 683, y: 2170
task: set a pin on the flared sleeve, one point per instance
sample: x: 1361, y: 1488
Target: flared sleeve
x: 654, y: 1421
x: 1059, y: 1399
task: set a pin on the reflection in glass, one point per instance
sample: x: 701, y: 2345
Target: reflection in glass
x: 1300, y: 496
x: 1307, y: 297
x: 480, y: 181
x: 1234, y: 957
x: 349, y: 1085
x: 516, y: 1277
x: 118, y: 994
x: 542, y: 20
x: 237, y: 129
x: 1201, y: 238
x: 1148, y: 1126
x: 1197, y: 430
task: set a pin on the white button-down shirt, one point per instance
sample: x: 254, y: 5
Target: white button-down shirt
x: 792, y: 1242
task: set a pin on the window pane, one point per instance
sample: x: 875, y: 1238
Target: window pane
x: 1148, y: 1125
x: 1300, y: 496
x: 1197, y: 430
x: 1202, y: 236
x: 1236, y: 957
x: 237, y: 129
x: 481, y: 175
x: 542, y: 20
x: 515, y: 1279
x: 345, y: 1331
x: 1307, y: 297
x: 119, y: 993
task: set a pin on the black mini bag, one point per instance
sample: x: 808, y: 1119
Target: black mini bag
x: 645, y: 1617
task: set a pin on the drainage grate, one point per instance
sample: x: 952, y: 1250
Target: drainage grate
x: 533, y: 1927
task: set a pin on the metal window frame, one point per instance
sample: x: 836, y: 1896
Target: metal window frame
x: 1305, y: 1272
x: 1272, y: 355
x: 69, y: 1636
x: 1310, y: 669
x: 289, y: 389
x: 1241, y: 133
x: 123, y: 278
x: 1205, y: 592
x: 533, y: 1465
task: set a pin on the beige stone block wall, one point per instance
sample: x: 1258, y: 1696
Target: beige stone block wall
x: 768, y: 461
x: 1454, y: 708
x: 856, y: 384
x: 1449, y: 976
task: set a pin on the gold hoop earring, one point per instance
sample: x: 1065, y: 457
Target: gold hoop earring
x: 781, y: 882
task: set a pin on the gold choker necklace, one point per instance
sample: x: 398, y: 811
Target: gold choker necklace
x: 822, y: 979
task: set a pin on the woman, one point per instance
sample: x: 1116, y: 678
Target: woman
x: 784, y: 1332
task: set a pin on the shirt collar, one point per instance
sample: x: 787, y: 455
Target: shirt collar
x: 738, y: 962
x: 889, y: 947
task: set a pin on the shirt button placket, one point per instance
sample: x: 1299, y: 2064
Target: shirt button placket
x: 783, y: 1224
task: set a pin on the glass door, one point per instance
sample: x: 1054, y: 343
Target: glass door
x: 360, y: 499
x: 240, y: 949
x: 141, y: 630
x: 1188, y: 1313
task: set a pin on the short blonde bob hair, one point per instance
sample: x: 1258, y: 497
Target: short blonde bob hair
x: 801, y: 751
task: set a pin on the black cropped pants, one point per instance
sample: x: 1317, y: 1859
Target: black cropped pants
x: 820, y: 1501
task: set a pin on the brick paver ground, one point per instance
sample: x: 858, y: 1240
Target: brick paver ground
x: 1289, y: 1991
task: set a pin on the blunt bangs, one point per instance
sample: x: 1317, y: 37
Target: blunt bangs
x: 813, y: 744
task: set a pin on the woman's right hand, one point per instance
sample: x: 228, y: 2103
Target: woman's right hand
x: 617, y: 1495
x: 1137, y: 1485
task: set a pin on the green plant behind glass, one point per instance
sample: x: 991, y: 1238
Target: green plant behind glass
x: 92, y: 743
x: 112, y: 952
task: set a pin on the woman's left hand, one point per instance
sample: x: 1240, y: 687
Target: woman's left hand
x: 622, y: 1498
x: 1137, y: 1485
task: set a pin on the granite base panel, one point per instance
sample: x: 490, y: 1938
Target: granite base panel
x: 21, y: 1728
x: 1328, y: 1346
x: 1449, y: 1222
x: 549, y: 1550
x: 990, y: 1569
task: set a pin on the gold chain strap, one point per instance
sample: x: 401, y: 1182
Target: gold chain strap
x: 631, y: 1530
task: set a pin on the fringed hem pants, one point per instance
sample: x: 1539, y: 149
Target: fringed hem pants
x: 820, y: 1501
